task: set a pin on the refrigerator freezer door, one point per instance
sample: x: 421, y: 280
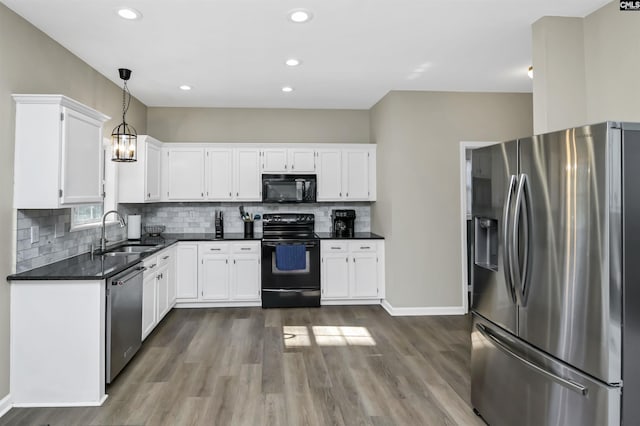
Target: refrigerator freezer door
x: 513, y: 383
x: 574, y: 302
x: 493, y: 174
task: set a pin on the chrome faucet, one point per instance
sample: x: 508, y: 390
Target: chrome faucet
x: 103, y: 239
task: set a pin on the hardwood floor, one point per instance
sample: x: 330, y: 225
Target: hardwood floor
x: 249, y: 366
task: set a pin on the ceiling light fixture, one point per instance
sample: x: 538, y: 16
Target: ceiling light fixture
x: 530, y: 72
x: 292, y: 62
x: 185, y: 87
x: 287, y: 89
x: 300, y: 16
x: 129, y: 14
x: 124, y: 139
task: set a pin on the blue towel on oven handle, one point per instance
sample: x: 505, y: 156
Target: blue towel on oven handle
x: 291, y: 257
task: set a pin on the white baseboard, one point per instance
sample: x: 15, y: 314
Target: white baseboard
x: 5, y: 405
x: 336, y: 302
x: 61, y: 404
x: 180, y: 305
x: 417, y: 311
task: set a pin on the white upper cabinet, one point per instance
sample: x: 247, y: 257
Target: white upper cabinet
x: 346, y: 174
x: 185, y: 174
x: 139, y: 182
x: 58, y: 152
x: 329, y: 174
x: 219, y: 174
x: 247, y: 182
x: 288, y: 160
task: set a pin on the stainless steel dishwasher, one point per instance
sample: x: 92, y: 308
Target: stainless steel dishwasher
x: 124, y: 319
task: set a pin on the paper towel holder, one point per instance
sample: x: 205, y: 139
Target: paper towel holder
x: 134, y: 226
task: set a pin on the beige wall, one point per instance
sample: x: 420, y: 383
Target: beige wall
x: 612, y: 64
x: 559, y: 89
x: 33, y: 63
x: 586, y: 70
x: 418, y: 136
x: 258, y: 125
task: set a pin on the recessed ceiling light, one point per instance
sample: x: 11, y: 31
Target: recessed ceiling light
x: 185, y: 87
x: 129, y: 13
x: 300, y: 16
x: 292, y: 62
x: 287, y: 89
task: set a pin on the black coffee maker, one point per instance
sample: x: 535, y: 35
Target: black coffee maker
x: 343, y: 223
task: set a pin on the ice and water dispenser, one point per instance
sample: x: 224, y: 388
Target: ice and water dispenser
x: 486, y: 243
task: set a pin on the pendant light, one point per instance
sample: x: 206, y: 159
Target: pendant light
x: 124, y: 139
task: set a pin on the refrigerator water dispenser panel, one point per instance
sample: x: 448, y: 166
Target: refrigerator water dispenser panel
x: 486, y: 243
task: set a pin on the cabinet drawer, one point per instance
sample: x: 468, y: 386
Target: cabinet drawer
x: 164, y: 257
x: 151, y: 263
x: 333, y: 246
x: 240, y: 248
x: 213, y: 248
x: 363, y: 246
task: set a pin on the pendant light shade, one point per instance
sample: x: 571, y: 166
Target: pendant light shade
x: 124, y: 139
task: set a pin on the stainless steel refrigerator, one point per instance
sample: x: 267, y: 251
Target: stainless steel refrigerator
x: 556, y: 278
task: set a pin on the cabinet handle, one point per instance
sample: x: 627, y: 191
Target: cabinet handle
x: 346, y: 259
x: 237, y: 194
x: 234, y: 261
x: 202, y: 194
x: 285, y: 167
x: 149, y: 195
x: 364, y: 247
x: 292, y: 166
x: 229, y: 194
x: 214, y: 249
x: 341, y: 194
x: 226, y: 261
x: 354, y: 260
x: 165, y: 258
x: 245, y: 248
x: 347, y: 194
x: 152, y: 266
x: 335, y: 248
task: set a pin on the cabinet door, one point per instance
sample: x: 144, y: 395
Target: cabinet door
x: 81, y: 168
x: 187, y: 271
x: 302, y: 160
x: 329, y: 169
x: 355, y: 171
x: 246, y: 278
x: 247, y: 175
x: 149, y: 317
x: 171, y: 278
x: 274, y: 160
x: 162, y: 292
x: 219, y: 172
x: 364, y: 275
x: 214, y: 277
x: 152, y: 173
x: 335, y: 275
x: 185, y: 174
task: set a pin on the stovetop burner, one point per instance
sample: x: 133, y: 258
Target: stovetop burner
x: 288, y: 225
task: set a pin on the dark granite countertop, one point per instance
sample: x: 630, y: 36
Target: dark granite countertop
x: 99, y: 267
x: 356, y: 236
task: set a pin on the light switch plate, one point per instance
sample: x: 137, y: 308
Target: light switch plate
x: 35, y: 234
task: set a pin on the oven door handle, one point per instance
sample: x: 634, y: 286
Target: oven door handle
x: 289, y: 290
x: 309, y: 244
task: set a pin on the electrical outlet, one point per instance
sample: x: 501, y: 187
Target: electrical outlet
x: 58, y: 230
x: 35, y: 234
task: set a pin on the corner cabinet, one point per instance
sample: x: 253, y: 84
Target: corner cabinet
x: 219, y: 274
x: 139, y: 182
x: 352, y: 271
x: 58, y: 153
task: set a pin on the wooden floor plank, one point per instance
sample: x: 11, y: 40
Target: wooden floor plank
x: 336, y: 365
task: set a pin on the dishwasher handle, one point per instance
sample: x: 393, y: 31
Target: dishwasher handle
x: 121, y: 280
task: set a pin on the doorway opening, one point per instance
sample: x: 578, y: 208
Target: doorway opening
x: 466, y: 219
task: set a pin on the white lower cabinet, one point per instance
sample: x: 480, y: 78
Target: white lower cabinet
x: 158, y: 288
x: 228, y: 273
x: 352, y: 270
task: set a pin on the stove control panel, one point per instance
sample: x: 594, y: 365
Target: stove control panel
x: 289, y: 218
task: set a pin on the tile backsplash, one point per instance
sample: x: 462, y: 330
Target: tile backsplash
x: 199, y: 217
x: 177, y: 217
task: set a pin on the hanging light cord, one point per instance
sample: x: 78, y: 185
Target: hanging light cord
x: 125, y: 102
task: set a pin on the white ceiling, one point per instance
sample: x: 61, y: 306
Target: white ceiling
x: 353, y: 51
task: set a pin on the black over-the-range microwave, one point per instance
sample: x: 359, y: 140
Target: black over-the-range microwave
x: 289, y: 188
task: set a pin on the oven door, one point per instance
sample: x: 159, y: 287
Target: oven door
x: 290, y: 288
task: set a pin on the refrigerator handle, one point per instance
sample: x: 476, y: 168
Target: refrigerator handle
x: 522, y: 199
x: 504, y: 347
x: 506, y: 255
